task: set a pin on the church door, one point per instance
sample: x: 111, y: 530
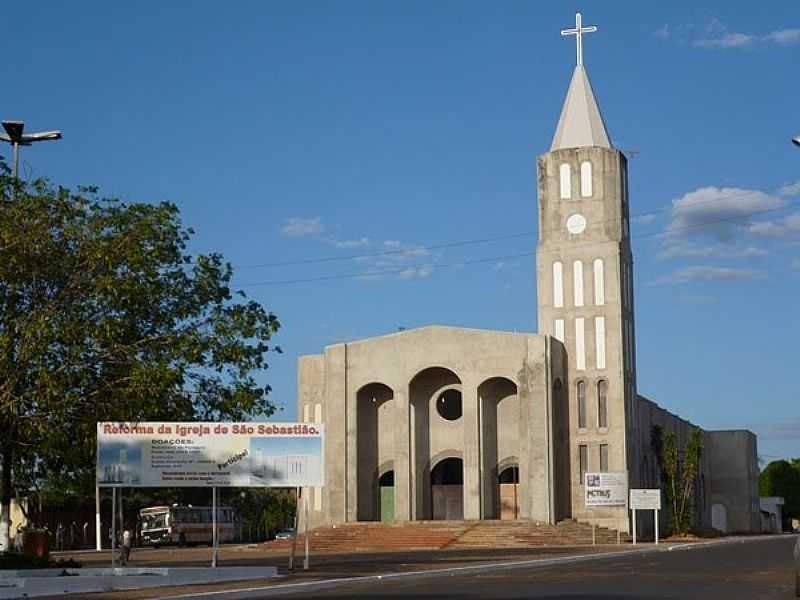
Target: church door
x: 447, y: 490
x: 509, y: 493
x: 386, y: 497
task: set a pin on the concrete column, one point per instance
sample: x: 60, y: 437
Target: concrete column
x: 351, y: 471
x: 402, y: 456
x: 335, y: 438
x: 472, y: 483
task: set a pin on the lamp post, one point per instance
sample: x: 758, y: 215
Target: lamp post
x: 796, y: 140
x: 15, y: 136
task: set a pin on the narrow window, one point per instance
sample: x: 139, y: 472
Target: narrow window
x: 318, y: 499
x: 604, y: 458
x: 600, y: 341
x: 305, y: 413
x: 583, y: 461
x: 318, y: 413
x: 560, y: 330
x: 577, y: 272
x: 580, y: 346
x: 602, y: 404
x: 599, y: 283
x: 566, y: 181
x: 580, y: 392
x: 558, y: 284
x: 586, y: 179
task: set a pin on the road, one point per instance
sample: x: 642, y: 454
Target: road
x: 728, y: 571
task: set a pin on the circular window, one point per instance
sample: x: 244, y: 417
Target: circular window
x: 576, y: 224
x: 448, y: 404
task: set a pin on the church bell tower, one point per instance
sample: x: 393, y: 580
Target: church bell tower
x: 585, y: 290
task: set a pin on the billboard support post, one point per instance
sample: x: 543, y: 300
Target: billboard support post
x: 98, y: 534
x: 305, y: 529
x: 214, y: 535
x: 656, y: 524
x: 113, y: 526
x: 297, y: 495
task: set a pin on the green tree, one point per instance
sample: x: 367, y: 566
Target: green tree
x: 104, y: 315
x: 782, y: 478
x: 679, y: 470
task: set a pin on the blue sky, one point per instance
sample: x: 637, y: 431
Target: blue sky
x: 301, y: 131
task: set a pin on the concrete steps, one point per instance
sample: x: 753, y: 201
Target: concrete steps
x: 455, y: 535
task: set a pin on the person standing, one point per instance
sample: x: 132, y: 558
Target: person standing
x: 125, y: 550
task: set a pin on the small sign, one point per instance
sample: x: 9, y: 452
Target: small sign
x: 606, y: 489
x: 645, y: 500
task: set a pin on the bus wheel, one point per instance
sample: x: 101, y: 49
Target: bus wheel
x: 182, y: 540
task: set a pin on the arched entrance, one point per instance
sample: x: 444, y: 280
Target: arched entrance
x: 375, y: 445
x: 508, y: 486
x: 719, y: 517
x: 499, y: 417
x: 386, y: 497
x: 447, y: 490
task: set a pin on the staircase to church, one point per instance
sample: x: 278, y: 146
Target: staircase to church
x: 446, y: 535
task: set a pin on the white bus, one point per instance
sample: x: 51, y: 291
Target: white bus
x: 184, y: 525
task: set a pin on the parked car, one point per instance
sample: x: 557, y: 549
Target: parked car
x: 285, y: 534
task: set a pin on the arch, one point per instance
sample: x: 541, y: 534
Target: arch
x: 577, y: 276
x: 508, y: 492
x: 558, y: 284
x: 599, y: 282
x: 580, y: 399
x: 374, y: 444
x: 447, y: 489
x: 719, y: 517
x: 586, y: 179
x: 499, y: 417
x: 429, y: 431
x: 565, y: 181
x: 386, y: 496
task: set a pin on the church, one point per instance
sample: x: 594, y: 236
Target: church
x: 451, y: 423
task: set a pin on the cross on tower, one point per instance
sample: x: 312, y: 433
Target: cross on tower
x: 578, y: 33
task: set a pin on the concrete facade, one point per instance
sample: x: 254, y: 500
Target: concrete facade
x: 445, y: 422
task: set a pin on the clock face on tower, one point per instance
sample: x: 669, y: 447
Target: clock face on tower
x: 576, y: 224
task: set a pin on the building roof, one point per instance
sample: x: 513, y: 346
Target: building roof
x: 581, y: 123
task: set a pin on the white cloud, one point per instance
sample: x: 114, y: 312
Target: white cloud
x: 699, y: 299
x: 786, y: 227
x: 687, y: 249
x: 784, y: 37
x: 718, y: 210
x: 643, y: 219
x: 717, y: 36
x: 730, y: 39
x: 708, y: 273
x: 790, y: 189
x: 499, y: 266
x: 662, y: 33
x: 358, y: 243
x: 300, y: 227
x: 419, y: 272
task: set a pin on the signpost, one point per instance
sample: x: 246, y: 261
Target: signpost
x: 605, y: 490
x: 645, y: 500
x: 259, y: 454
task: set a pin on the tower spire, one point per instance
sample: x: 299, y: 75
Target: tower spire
x: 581, y: 123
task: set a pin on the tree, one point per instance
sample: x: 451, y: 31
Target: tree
x: 782, y: 478
x: 105, y: 316
x: 679, y: 470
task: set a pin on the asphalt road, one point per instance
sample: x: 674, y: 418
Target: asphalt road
x: 731, y: 571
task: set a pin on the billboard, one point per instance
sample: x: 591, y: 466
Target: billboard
x: 645, y: 499
x: 606, y: 489
x: 258, y: 454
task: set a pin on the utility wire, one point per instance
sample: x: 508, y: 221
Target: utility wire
x: 406, y: 268
x: 454, y: 244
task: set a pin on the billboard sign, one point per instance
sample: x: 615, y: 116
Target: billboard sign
x: 645, y: 500
x: 604, y: 490
x: 257, y: 454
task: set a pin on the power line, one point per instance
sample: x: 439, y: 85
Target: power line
x: 410, y: 268
x: 458, y: 243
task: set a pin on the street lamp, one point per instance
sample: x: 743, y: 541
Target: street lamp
x: 796, y: 140
x: 14, y: 135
